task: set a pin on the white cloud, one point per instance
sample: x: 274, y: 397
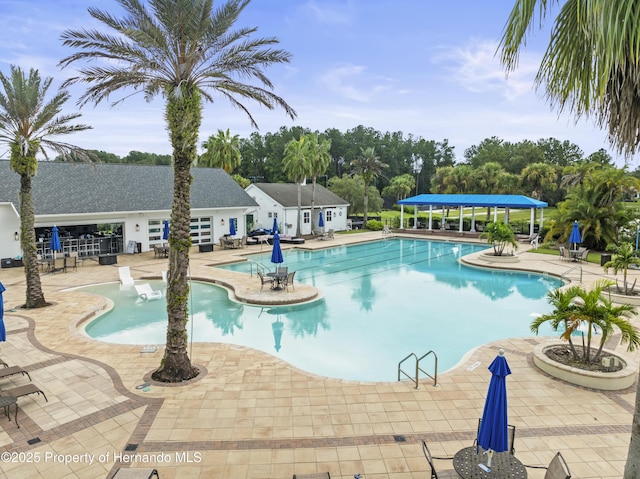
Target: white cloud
x: 477, y: 69
x: 354, y: 82
x: 325, y: 14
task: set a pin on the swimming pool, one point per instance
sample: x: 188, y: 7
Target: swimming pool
x: 382, y: 301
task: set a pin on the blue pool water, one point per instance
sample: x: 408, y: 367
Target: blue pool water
x: 382, y: 301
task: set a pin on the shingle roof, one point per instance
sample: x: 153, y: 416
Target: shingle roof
x: 287, y: 195
x: 75, y: 188
x: 501, y: 201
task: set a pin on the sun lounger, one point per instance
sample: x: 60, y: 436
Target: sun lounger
x: 13, y: 370
x: 23, y: 391
x: 3, y: 364
x: 146, y: 293
x: 318, y: 475
x: 125, y: 276
x: 135, y: 473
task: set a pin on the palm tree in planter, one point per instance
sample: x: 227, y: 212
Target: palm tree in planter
x: 500, y: 235
x: 624, y: 256
x: 589, y: 309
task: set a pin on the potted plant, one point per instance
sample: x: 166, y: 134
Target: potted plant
x: 579, y: 310
x: 624, y: 256
x: 500, y: 235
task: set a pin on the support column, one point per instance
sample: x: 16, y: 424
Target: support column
x: 533, y: 218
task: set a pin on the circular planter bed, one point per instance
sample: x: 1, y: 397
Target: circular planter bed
x: 623, y: 299
x: 491, y: 258
x: 609, y: 381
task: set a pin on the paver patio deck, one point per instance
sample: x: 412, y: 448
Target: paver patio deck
x: 250, y: 415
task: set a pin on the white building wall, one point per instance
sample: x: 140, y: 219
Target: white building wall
x: 267, y: 209
x: 9, y: 226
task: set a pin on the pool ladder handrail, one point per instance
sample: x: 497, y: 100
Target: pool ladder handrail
x: 416, y: 381
x: 260, y: 268
x: 564, y: 275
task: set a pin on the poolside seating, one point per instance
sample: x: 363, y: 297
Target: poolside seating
x: 317, y: 475
x: 71, y: 263
x: 558, y: 468
x: 59, y: 265
x: 145, y: 292
x: 125, y: 276
x: 584, y: 254
x: 330, y: 234
x: 427, y: 454
x: 265, y: 280
x: 12, y: 371
x: 135, y: 473
x: 510, y: 439
x: 282, y: 269
x: 288, y: 280
x: 164, y: 276
x: 564, y: 254
x: 23, y: 391
x: 3, y: 364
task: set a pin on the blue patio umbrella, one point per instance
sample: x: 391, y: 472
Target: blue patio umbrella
x: 3, y: 331
x: 276, y: 253
x: 165, y: 230
x: 493, y: 434
x: 274, y: 229
x: 321, y: 220
x: 54, y: 244
x: 232, y: 227
x: 575, y: 237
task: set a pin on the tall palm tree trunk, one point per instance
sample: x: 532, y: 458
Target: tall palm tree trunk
x: 632, y: 467
x: 298, y: 228
x: 184, y: 116
x: 365, y: 206
x: 35, y: 296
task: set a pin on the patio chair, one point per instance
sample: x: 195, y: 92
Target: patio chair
x: 135, y: 473
x: 288, y: 280
x: 510, y: 439
x: 125, y: 276
x: 584, y: 255
x: 71, y: 263
x: 23, y: 391
x: 59, y: 265
x: 282, y: 269
x: 76, y: 255
x: 145, y: 292
x: 565, y: 255
x: 3, y: 364
x: 265, y: 280
x: 427, y: 454
x: 13, y: 370
x: 157, y: 251
x: 317, y: 475
x: 558, y: 468
x: 330, y: 234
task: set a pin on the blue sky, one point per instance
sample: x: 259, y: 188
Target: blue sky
x: 423, y: 67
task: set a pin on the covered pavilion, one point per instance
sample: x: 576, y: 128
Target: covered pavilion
x: 473, y: 201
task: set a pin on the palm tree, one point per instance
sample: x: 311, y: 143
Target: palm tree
x: 319, y: 161
x: 29, y: 124
x: 538, y: 176
x: 222, y: 151
x: 590, y: 67
x: 297, y: 166
x: 625, y: 256
x: 368, y: 165
x: 180, y: 50
x: 562, y: 316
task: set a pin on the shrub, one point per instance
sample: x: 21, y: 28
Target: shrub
x: 374, y: 225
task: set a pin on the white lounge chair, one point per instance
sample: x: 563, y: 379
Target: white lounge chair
x: 125, y: 276
x: 146, y: 293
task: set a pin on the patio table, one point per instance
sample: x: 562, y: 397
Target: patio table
x: 467, y: 464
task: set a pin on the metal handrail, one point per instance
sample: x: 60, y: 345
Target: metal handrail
x: 416, y: 381
x: 260, y: 268
x: 564, y: 275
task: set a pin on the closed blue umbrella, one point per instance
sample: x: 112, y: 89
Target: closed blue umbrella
x: 3, y: 331
x: 165, y: 230
x: 232, y: 227
x: 276, y: 253
x: 274, y: 229
x: 321, y: 220
x: 575, y: 237
x: 493, y: 434
x: 54, y: 244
